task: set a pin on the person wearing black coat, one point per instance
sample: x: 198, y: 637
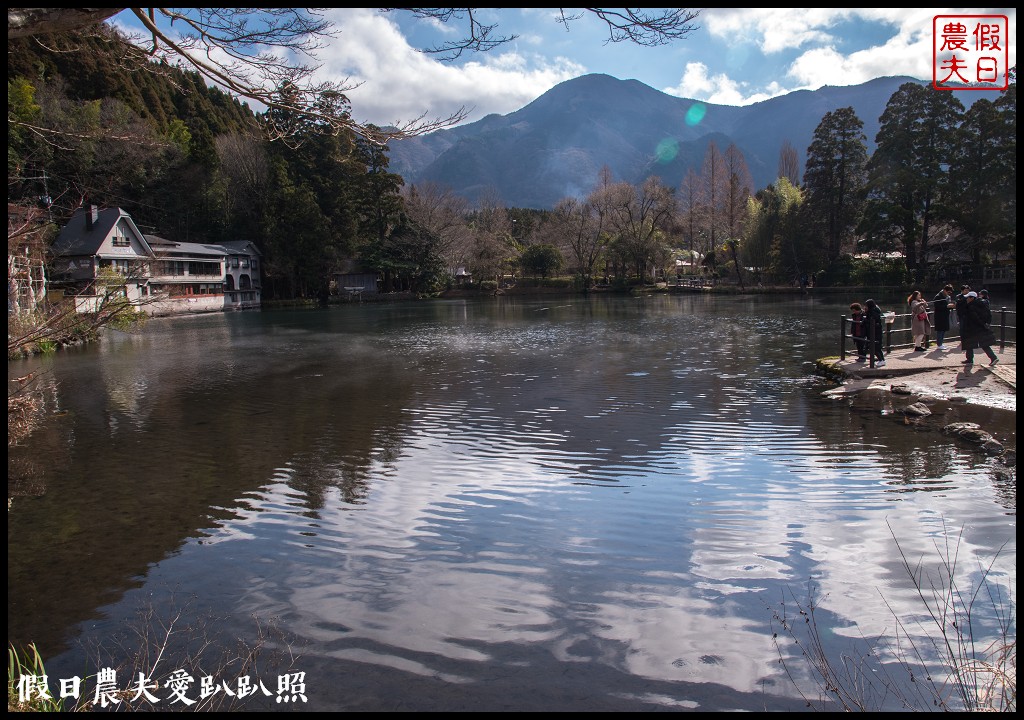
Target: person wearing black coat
x: 873, y: 330
x: 940, y: 319
x: 975, y: 330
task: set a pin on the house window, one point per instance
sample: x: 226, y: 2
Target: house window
x: 245, y: 262
x: 120, y: 266
x: 121, y: 241
x: 234, y: 262
x: 173, y: 267
x: 254, y: 265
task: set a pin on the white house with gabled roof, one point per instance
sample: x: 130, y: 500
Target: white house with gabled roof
x: 164, y: 277
x: 95, y: 241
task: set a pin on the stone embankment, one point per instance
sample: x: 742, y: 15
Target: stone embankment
x: 976, y: 404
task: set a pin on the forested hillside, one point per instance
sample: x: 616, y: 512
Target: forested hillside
x: 187, y: 161
x: 926, y: 191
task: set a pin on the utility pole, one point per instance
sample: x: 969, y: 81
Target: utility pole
x: 45, y: 199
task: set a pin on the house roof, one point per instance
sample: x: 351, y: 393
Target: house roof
x: 239, y: 246
x: 75, y: 239
x: 164, y: 247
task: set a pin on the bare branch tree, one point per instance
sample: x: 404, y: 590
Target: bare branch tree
x: 582, y: 226
x: 248, y: 52
x: 648, y: 29
x: 251, y: 53
x: 715, y: 189
x: 789, y: 163
x: 641, y: 215
x: 691, y: 194
x: 438, y: 209
x: 478, y: 37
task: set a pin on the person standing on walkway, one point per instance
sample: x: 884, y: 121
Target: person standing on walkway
x: 961, y: 299
x: 873, y: 330
x: 919, y: 325
x: 943, y: 303
x: 960, y: 303
x: 858, y: 332
x: 975, y: 330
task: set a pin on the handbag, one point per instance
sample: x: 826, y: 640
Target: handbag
x: 922, y: 316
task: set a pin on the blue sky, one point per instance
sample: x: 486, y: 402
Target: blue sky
x: 737, y: 56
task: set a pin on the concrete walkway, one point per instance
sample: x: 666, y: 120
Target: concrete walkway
x: 907, y: 362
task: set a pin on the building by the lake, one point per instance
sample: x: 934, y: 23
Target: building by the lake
x: 103, y: 249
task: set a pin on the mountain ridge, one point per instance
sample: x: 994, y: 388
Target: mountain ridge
x: 556, y: 145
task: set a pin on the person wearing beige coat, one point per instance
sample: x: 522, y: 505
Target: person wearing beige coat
x: 920, y: 327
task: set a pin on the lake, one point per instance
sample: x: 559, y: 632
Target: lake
x: 573, y: 503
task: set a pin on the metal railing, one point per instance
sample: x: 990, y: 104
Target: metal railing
x: 898, y: 325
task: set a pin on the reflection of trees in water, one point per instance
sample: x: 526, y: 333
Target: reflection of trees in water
x: 349, y: 451
x: 120, y: 488
x: 37, y: 436
x: 624, y: 390
x: 912, y: 453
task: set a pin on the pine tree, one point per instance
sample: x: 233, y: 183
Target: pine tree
x: 908, y: 172
x: 834, y: 178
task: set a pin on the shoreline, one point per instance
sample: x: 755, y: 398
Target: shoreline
x: 932, y: 375
x: 976, y: 404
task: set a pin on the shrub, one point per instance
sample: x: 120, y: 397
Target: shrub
x: 879, y: 272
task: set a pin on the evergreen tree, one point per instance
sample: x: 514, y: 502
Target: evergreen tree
x: 834, y: 179
x: 984, y: 176
x: 978, y: 180
x: 540, y: 259
x: 908, y: 172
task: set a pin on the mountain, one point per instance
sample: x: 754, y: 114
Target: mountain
x: 556, y: 146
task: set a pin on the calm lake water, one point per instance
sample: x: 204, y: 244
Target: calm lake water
x: 504, y: 504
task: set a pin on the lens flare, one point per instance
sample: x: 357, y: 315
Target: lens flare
x: 695, y: 114
x: 666, y: 151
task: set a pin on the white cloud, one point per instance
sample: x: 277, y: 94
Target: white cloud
x: 772, y: 29
x: 742, y: 56
x: 907, y: 50
x: 401, y: 84
x: 719, y: 89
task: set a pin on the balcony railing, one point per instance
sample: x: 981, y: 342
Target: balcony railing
x: 165, y: 277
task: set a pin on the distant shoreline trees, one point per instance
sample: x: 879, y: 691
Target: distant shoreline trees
x: 191, y: 165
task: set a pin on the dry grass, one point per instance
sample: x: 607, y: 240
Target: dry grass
x: 155, y: 650
x: 937, y: 662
